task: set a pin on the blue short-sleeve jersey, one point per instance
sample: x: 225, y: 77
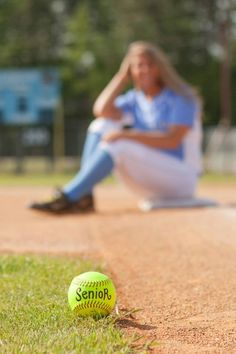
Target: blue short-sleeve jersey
x: 165, y: 110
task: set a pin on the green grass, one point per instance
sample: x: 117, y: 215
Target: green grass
x: 35, y: 316
x: 34, y: 179
x: 38, y: 179
x: 59, y: 179
x: 213, y: 178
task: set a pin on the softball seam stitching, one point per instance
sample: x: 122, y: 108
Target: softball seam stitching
x: 94, y: 283
x: 94, y: 304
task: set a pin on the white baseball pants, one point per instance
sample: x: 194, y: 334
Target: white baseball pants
x: 148, y: 172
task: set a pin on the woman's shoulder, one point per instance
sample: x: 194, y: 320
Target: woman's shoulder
x: 180, y: 98
x: 169, y: 92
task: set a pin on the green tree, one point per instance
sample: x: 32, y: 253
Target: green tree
x: 87, y: 40
x: 30, y: 32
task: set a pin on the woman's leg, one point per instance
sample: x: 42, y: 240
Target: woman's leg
x: 75, y: 195
x: 96, y: 130
x: 97, y: 164
x: 151, y: 173
x: 147, y: 171
x: 92, y: 155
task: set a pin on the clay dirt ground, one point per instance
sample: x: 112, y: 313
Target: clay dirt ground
x: 178, y: 266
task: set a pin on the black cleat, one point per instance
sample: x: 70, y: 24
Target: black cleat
x: 60, y: 204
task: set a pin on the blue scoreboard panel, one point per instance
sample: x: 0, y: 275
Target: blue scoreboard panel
x: 29, y: 96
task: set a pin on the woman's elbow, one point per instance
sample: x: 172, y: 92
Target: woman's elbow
x: 97, y: 111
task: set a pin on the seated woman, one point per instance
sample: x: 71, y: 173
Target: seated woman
x: 159, y: 156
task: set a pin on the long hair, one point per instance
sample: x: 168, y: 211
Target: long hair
x: 168, y: 75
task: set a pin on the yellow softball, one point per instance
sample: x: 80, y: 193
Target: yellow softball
x: 92, y: 294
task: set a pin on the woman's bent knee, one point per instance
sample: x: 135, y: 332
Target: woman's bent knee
x: 103, y: 125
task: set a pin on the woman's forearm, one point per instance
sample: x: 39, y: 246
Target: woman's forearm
x: 168, y: 140
x: 104, y: 104
x: 152, y: 139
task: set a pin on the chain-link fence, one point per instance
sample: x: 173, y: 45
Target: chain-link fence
x: 19, y: 145
x: 220, y: 150
x: 35, y: 143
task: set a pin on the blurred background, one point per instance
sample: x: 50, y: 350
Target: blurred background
x: 57, y: 55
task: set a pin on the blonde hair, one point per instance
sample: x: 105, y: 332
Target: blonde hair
x: 168, y: 75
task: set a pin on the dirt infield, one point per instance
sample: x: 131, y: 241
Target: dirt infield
x: 178, y: 266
